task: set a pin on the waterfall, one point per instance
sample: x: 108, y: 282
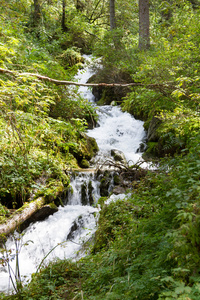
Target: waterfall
x: 84, y: 189
x: 68, y: 229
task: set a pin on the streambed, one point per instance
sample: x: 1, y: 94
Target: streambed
x: 74, y: 224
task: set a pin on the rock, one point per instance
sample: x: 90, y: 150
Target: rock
x: 104, y: 94
x: 84, y: 153
x: 152, y: 135
x: 106, y: 182
x: 92, y: 147
x: 118, y: 190
x: 118, y: 156
x: 77, y: 224
x: 104, y: 186
x: 97, y: 91
x: 142, y: 148
x: 113, y: 103
x: 116, y: 179
x: 84, y: 164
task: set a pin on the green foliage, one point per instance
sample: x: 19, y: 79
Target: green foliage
x: 145, y: 103
x: 71, y: 57
x: 121, y: 213
x: 178, y: 127
x: 147, y: 246
x: 158, y: 247
x: 3, y: 213
x: 58, y: 281
x: 40, y: 123
x: 179, y: 290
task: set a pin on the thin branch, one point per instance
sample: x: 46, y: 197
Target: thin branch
x: 92, y: 34
x: 90, y: 18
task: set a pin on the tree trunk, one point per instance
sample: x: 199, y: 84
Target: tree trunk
x: 21, y: 217
x: 37, y: 12
x: 64, y: 28
x: 112, y: 15
x: 144, y: 38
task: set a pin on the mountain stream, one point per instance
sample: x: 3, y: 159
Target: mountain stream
x: 63, y: 234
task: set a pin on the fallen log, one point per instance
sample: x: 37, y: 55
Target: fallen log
x: 64, y: 82
x: 21, y: 216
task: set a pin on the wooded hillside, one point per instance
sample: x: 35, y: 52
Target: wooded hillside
x: 148, y: 246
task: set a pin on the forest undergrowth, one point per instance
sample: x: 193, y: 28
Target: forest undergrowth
x: 147, y: 246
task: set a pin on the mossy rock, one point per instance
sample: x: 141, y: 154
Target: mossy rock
x: 118, y: 156
x: 107, y: 97
x: 152, y: 134
x: 90, y: 147
x: 104, y: 186
x: 71, y: 57
x: 84, y: 194
x: 116, y: 179
x: 85, y: 151
x: 90, y: 192
x: 84, y: 163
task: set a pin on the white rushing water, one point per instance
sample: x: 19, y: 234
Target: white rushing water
x: 74, y: 224
x: 118, y: 130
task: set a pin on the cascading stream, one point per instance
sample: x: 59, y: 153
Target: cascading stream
x: 74, y: 223
x: 117, y: 130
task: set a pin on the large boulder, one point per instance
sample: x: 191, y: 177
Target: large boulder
x: 104, y: 94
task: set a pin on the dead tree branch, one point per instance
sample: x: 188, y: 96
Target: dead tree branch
x: 64, y: 82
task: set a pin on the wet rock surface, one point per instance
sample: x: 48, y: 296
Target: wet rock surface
x: 118, y: 156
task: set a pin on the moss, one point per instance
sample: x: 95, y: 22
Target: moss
x: 104, y: 185
x: 71, y: 57
x: 86, y: 150
x: 84, y: 163
x: 52, y: 205
x: 91, y: 147
x: 84, y: 194
x: 87, y: 193
x: 4, y: 212
x: 116, y: 179
x: 107, y: 96
x: 117, y: 157
x: 90, y: 193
